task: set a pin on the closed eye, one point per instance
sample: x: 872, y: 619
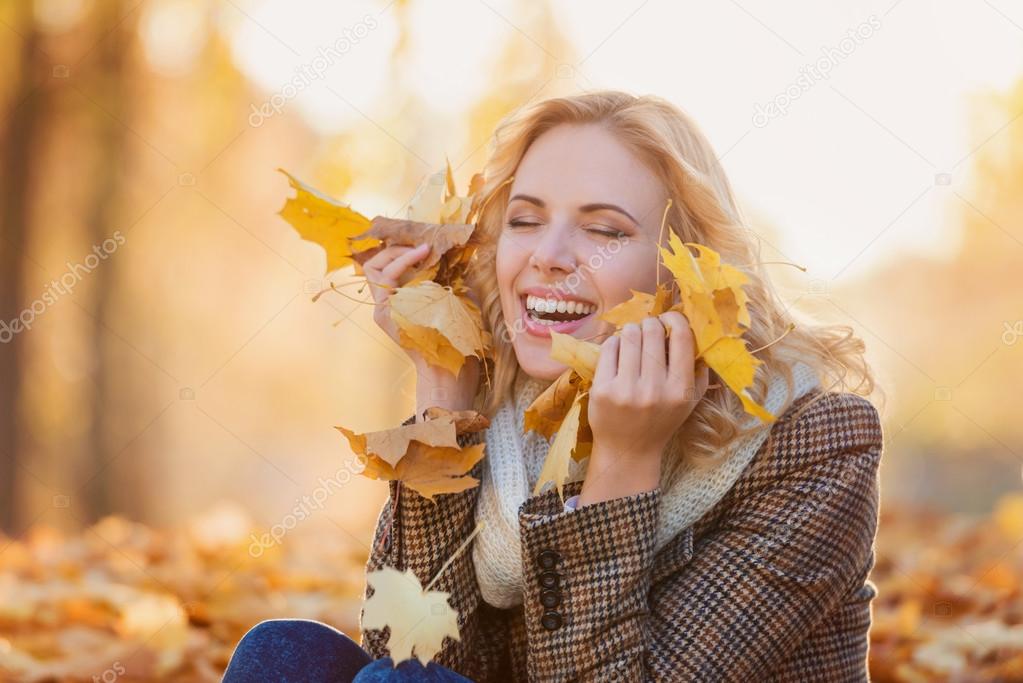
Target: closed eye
x: 518, y: 223
x: 609, y: 232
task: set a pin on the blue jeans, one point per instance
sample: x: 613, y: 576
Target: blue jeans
x: 306, y: 651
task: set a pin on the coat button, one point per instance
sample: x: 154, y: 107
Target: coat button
x: 548, y: 558
x: 551, y: 620
x: 550, y: 598
x: 549, y: 580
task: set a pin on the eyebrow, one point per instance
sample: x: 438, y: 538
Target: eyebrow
x: 585, y: 208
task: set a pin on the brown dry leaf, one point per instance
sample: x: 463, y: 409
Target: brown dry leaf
x: 333, y: 225
x: 419, y: 620
x: 442, y: 325
x: 567, y: 444
x: 424, y: 455
x: 545, y: 414
x: 390, y: 445
x: 429, y: 470
x: 393, y: 231
x: 466, y: 421
x: 561, y: 408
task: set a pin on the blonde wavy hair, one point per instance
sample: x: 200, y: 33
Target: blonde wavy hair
x: 703, y: 209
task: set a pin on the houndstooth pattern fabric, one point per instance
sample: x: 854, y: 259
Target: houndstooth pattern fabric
x: 771, y: 584
x: 515, y: 458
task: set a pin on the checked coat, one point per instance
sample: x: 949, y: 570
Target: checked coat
x: 770, y: 585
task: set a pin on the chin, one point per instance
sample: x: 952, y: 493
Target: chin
x: 539, y: 368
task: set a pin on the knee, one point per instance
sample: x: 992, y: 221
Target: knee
x: 289, y: 646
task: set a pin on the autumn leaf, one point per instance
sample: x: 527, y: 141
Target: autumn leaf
x: 561, y: 409
x: 735, y: 366
x: 442, y: 238
x: 641, y: 305
x: 429, y: 470
x: 465, y: 421
x: 546, y: 413
x: 390, y: 445
x: 431, y: 306
x: 331, y: 224
x: 418, y: 619
x: 577, y: 354
x: 442, y: 325
x: 567, y: 445
x: 425, y: 456
x: 714, y: 302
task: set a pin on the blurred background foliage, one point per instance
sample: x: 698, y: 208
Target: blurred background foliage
x: 177, y: 373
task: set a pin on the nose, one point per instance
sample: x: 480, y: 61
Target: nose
x: 552, y: 251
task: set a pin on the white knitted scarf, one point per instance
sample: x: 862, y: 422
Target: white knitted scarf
x: 514, y: 459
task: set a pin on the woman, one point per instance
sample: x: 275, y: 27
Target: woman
x: 697, y: 543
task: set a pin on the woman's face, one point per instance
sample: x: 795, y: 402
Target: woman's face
x: 580, y: 231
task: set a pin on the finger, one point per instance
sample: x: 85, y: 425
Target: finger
x: 702, y: 380
x: 393, y: 270
x: 654, y: 359
x: 629, y: 351
x: 607, y: 361
x: 381, y: 283
x: 681, y: 347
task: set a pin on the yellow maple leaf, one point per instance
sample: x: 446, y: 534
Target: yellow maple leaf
x: 436, y: 200
x: 641, y: 305
x: 577, y: 354
x: 333, y: 225
x: 444, y: 326
x: 714, y: 302
x: 734, y: 364
x: 419, y: 619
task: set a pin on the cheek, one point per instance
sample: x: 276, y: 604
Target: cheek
x: 508, y: 263
x: 506, y: 272
x: 623, y: 272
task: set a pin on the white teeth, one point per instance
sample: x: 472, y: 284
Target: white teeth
x: 535, y: 303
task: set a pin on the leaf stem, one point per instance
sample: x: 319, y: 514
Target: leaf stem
x: 479, y: 527
x: 660, y: 237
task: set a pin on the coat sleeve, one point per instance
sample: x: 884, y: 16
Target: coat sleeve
x: 782, y: 556
x: 422, y: 536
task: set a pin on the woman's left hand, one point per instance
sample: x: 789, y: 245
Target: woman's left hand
x: 639, y: 398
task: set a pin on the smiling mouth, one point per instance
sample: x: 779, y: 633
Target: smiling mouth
x: 554, y: 311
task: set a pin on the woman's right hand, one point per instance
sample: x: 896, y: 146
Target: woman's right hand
x: 434, y: 386
x: 382, y: 272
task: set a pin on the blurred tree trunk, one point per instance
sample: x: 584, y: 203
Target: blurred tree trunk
x: 106, y: 82
x: 17, y: 171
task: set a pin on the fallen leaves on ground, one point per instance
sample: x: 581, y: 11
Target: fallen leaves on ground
x: 73, y: 606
